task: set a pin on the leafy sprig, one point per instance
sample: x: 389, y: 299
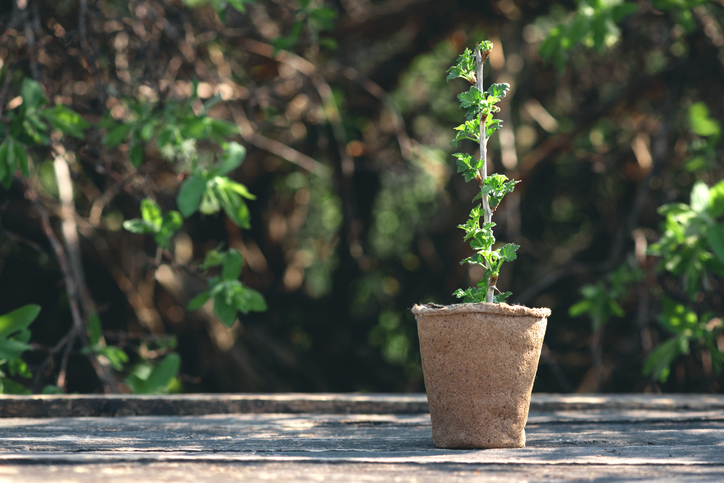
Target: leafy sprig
x: 228, y: 293
x: 479, y: 108
x: 465, y: 67
x: 496, y: 186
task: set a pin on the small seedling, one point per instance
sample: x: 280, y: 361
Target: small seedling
x: 479, y: 106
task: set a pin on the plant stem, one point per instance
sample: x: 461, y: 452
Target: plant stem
x: 488, y: 214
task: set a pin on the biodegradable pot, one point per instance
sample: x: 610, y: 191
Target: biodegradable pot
x: 479, y: 362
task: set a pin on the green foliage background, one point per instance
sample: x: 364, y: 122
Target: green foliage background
x: 297, y: 155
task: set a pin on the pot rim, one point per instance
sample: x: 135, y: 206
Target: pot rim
x: 481, y: 307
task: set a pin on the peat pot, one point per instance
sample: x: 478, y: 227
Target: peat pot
x: 479, y: 362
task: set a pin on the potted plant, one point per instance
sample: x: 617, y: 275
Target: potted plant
x: 479, y: 358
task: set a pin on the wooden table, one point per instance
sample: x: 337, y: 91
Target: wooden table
x: 369, y: 438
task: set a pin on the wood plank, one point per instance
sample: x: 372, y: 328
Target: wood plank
x: 38, y: 406
x: 587, y: 437
x: 204, y: 472
x: 90, y: 405
x: 362, y: 439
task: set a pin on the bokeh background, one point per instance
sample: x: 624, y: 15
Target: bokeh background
x: 615, y: 110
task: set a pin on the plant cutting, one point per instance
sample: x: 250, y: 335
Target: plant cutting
x: 479, y: 358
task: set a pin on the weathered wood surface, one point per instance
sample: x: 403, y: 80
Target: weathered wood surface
x: 615, y: 438
x: 44, y: 406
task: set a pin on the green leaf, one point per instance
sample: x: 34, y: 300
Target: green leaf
x: 239, y: 5
x: 508, y: 252
x: 32, y: 94
x: 472, y: 295
x: 328, y: 43
x: 67, y: 120
x: 701, y: 123
x: 135, y: 153
x: 137, y: 225
x: 575, y: 31
x: 195, y: 128
x: 468, y: 130
x: 468, y: 165
x: 616, y: 308
x: 223, y: 128
x: 224, y: 310
x: 18, y: 319
x: 323, y: 18
x: 170, y: 223
x: 163, y: 373
x: 117, y: 135
x: 21, y: 158
x: 12, y: 349
x: 232, y: 158
x: 700, y: 197
x: 464, y: 67
x: 234, y: 206
x: 233, y: 263
x: 5, y: 153
x: 151, y: 212
x: 51, y: 389
x: 238, y: 188
x: 23, y: 335
x: 146, y: 131
x: 249, y: 300
x: 94, y: 330
x: 116, y: 356
x: 212, y: 258
x: 197, y: 302
x: 716, y: 200
x: 190, y: 194
x: 496, y: 186
x: 256, y: 300
x: 209, y: 202
x: 715, y: 236
x: 675, y: 317
x: 498, y: 90
x: 673, y: 209
x: 166, y: 136
x: 658, y: 362
x: 498, y: 298
x: 580, y: 308
x: 492, y: 125
x: 472, y: 98
x: 551, y: 44
x: 623, y: 10
x: 8, y: 386
x: 138, y: 385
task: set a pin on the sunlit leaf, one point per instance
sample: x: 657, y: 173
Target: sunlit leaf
x: 163, y: 373
x: 18, y: 319
x: 716, y: 200
x: 151, y: 212
x: 67, y: 120
x: 232, y: 158
x: 498, y: 90
x: 699, y: 197
x: 138, y: 225
x: 197, y: 302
